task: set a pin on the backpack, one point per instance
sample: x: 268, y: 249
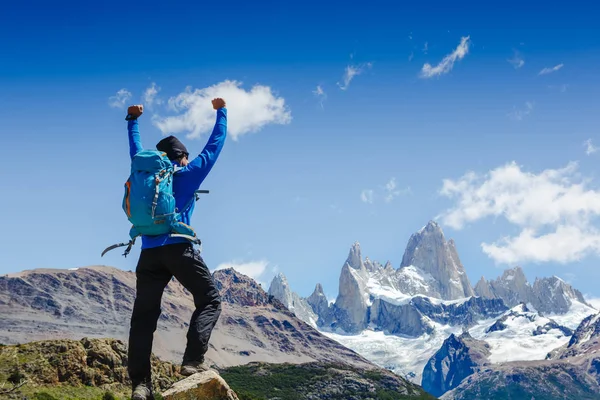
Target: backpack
x: 149, y: 203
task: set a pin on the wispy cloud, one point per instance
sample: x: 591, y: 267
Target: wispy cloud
x: 150, y: 96
x: 553, y: 210
x: 387, y: 192
x: 411, y: 56
x: 425, y: 47
x: 367, y: 196
x: 320, y: 94
x: 589, y: 147
x: 351, y: 72
x: 517, y: 61
x: 392, y: 190
x: 546, y: 71
x: 447, y: 62
x: 119, y: 100
x: 519, y: 114
x: 251, y: 110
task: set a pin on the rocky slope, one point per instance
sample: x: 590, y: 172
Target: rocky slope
x: 570, y: 372
x: 97, y: 302
x: 85, y: 368
x: 519, y: 334
x: 459, y: 357
x: 318, y: 381
x: 95, y: 369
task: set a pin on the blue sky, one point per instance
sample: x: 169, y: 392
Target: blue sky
x: 353, y: 142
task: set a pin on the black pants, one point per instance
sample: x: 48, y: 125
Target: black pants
x: 155, y: 269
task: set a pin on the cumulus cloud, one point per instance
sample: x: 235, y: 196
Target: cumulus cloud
x: 119, y: 99
x: 351, y: 72
x: 553, y: 210
x: 249, y: 111
x: 519, y: 114
x: 447, y: 62
x: 546, y: 71
x: 150, y: 95
x: 589, y: 147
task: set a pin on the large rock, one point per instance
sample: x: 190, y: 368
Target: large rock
x: 202, y: 386
x: 429, y: 251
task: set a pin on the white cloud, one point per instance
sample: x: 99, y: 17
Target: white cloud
x: 119, y: 100
x: 411, y: 56
x: 546, y: 70
x: 367, y: 196
x: 321, y: 95
x: 392, y: 190
x: 425, y: 48
x: 517, y: 61
x: 447, y: 63
x: 149, y: 98
x: 351, y: 72
x: 253, y: 269
x: 589, y: 147
x: 552, y: 209
x: 248, y: 111
x: 518, y: 115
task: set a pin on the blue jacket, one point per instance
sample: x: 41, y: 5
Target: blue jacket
x: 187, y: 179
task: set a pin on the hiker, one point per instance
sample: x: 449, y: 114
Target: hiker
x: 164, y: 256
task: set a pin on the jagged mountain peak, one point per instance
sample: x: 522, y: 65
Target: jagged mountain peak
x: 431, y: 226
x: 354, y: 259
x: 430, y: 253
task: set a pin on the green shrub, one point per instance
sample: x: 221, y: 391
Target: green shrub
x: 16, y: 375
x: 109, y: 396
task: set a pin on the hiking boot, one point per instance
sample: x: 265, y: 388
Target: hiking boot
x: 193, y: 367
x: 142, y: 392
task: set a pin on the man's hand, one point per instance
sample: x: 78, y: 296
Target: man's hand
x: 135, y: 111
x: 218, y: 103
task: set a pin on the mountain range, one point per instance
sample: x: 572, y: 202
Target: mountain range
x: 401, y: 318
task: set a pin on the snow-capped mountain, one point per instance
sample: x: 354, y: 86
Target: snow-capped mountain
x: 399, y: 318
x: 428, y: 255
x: 280, y: 289
x: 546, y: 295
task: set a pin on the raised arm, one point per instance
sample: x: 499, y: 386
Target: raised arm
x: 135, y: 141
x: 200, y: 166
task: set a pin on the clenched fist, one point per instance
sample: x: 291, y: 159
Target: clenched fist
x: 135, y: 111
x: 218, y: 103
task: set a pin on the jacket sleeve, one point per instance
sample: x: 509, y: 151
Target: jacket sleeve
x: 135, y: 142
x: 200, y: 166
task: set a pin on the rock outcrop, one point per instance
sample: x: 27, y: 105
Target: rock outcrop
x: 87, y: 363
x: 206, y: 385
x: 430, y: 253
x: 458, y: 358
